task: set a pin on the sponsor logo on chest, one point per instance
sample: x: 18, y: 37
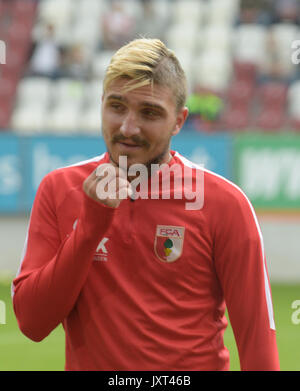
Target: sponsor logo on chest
x: 168, y: 243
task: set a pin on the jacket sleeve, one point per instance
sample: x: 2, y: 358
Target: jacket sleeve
x: 241, y: 268
x: 52, y: 271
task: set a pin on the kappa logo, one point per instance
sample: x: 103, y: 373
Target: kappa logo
x: 168, y: 242
x: 101, y: 251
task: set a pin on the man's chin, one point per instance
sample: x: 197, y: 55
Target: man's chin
x: 128, y: 159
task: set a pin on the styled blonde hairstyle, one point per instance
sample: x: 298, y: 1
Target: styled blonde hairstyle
x: 148, y: 61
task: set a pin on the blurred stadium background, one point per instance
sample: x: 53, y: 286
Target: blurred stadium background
x: 241, y: 60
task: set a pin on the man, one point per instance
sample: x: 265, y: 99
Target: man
x: 141, y: 283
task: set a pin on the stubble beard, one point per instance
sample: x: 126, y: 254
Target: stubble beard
x: 157, y: 160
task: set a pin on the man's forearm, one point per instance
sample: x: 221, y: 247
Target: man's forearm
x: 45, y: 296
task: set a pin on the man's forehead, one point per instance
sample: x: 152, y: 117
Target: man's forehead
x: 155, y: 92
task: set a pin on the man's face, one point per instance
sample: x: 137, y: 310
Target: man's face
x: 139, y: 124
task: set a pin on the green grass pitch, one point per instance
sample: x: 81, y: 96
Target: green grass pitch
x: 18, y: 353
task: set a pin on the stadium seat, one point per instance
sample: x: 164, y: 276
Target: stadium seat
x: 245, y: 71
x: 90, y: 119
x: 62, y: 119
x: 67, y: 97
x: 93, y: 92
x: 100, y: 62
x: 182, y: 36
x: 162, y: 8
x: 250, y: 44
x: 5, y: 8
x: 213, y: 53
x: 217, y: 37
x: 6, y: 105
x: 236, y: 118
x: 213, y: 69
x: 86, y: 27
x: 35, y: 90
x: 273, y: 94
x: 222, y: 11
x: 192, y: 11
x: 7, y: 98
x: 29, y: 119
x: 8, y: 85
x: 240, y: 92
x: 293, y: 99
x: 59, y: 13
x: 271, y: 119
x: 3, y: 30
x: 294, y: 90
x: 283, y: 34
x: 67, y: 92
x: 16, y: 58
x: 95, y: 8
x: 185, y: 57
x: 24, y: 10
x: 19, y: 33
x: 134, y: 8
x: 294, y: 124
x: 86, y: 32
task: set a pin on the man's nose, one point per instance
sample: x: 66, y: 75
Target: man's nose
x: 129, y: 125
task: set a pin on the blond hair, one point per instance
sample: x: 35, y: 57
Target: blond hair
x: 147, y: 61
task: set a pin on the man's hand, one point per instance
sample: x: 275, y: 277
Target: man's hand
x: 107, y: 185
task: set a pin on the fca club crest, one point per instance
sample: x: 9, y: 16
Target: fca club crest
x: 168, y: 242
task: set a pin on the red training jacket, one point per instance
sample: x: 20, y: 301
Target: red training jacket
x: 144, y: 286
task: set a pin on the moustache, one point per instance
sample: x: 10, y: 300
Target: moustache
x: 135, y: 139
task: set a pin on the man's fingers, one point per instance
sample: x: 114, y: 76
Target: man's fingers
x: 124, y: 189
x: 111, y: 185
x: 108, y: 184
x: 105, y: 169
x: 110, y: 170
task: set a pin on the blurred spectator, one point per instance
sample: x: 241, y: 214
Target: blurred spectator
x: 150, y: 24
x: 205, y: 108
x: 45, y: 60
x: 73, y: 63
x: 5, y: 16
x: 277, y: 65
x: 286, y: 11
x: 118, y: 27
x: 255, y: 11
x: 274, y: 68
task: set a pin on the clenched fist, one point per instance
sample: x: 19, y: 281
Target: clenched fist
x: 107, y: 185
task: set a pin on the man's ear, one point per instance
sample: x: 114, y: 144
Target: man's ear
x: 180, y: 120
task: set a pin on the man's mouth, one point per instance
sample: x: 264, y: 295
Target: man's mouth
x: 129, y: 145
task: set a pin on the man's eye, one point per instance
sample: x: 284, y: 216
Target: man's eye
x: 116, y: 106
x: 150, y: 113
